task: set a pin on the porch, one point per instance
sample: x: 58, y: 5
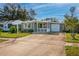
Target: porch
x: 37, y: 26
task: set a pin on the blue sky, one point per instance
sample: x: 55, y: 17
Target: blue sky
x: 47, y: 10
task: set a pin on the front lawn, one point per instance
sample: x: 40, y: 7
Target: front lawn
x: 2, y: 40
x: 72, y: 51
x: 13, y: 35
x: 69, y: 38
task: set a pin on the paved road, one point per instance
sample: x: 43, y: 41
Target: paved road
x: 36, y: 45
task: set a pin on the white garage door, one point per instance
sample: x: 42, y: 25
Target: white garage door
x: 55, y: 27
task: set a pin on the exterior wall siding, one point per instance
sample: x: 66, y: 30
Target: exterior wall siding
x: 51, y: 26
x: 55, y: 27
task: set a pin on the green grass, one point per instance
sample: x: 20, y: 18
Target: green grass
x: 2, y: 40
x: 72, y: 51
x: 69, y: 38
x: 13, y: 35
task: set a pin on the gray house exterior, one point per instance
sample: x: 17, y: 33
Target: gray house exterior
x: 36, y: 26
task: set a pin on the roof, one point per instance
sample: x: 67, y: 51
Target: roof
x: 11, y: 22
x: 15, y: 22
x: 34, y: 21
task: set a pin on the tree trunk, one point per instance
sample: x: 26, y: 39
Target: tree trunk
x: 73, y: 35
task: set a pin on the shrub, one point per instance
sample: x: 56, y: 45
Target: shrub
x: 72, y: 50
x: 28, y: 30
x: 13, y: 29
x: 1, y: 30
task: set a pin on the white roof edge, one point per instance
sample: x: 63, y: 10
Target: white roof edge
x: 40, y: 21
x: 32, y: 21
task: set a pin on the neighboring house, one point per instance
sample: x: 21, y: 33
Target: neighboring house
x: 4, y: 25
x: 36, y: 26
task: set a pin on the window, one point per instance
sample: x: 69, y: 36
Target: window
x: 44, y: 25
x: 40, y: 25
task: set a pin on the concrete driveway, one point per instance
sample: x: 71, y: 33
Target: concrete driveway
x: 36, y: 45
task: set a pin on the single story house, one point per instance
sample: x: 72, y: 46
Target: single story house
x: 36, y: 26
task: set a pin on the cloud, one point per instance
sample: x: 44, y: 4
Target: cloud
x: 41, y: 6
x: 50, y: 4
x: 77, y: 10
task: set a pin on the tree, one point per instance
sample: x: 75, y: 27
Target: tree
x: 32, y: 14
x: 71, y: 22
x: 72, y: 11
x: 15, y: 12
x: 9, y: 12
x: 52, y: 19
x: 22, y: 13
x: 77, y: 28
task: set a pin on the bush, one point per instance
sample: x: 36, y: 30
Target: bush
x: 1, y: 30
x: 13, y: 29
x: 28, y: 30
x: 72, y: 50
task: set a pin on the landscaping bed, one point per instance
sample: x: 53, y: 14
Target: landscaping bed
x: 69, y: 38
x: 13, y: 35
x: 72, y: 50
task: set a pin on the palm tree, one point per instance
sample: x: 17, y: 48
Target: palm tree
x: 72, y: 10
x: 71, y: 22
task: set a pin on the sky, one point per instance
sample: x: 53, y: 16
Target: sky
x: 47, y: 10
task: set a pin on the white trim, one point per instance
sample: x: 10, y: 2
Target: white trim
x: 32, y: 23
x: 47, y: 29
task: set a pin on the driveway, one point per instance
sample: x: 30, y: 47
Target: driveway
x: 36, y: 45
